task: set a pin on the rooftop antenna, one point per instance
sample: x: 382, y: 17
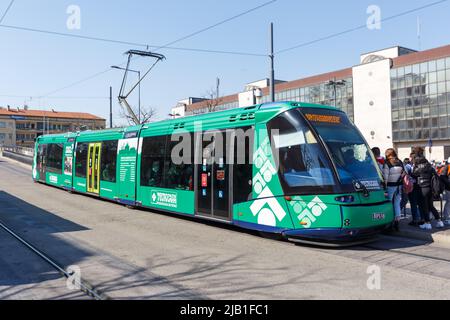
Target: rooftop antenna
x: 122, y: 96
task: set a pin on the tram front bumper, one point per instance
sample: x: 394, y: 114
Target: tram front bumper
x: 334, y: 236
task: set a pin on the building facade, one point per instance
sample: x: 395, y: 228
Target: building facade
x: 20, y: 127
x: 397, y: 97
x: 7, y: 132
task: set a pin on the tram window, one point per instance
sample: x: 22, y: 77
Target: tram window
x: 180, y: 176
x: 81, y: 160
x: 152, y: 161
x: 54, y: 158
x: 42, y: 152
x: 109, y: 161
x: 303, y: 165
x: 242, y: 165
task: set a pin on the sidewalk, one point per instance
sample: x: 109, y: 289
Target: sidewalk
x: 438, y: 236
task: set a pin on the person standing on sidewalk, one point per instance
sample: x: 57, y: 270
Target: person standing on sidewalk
x: 414, y: 195
x: 446, y: 175
x: 380, y: 160
x: 393, y: 173
x: 405, y: 198
x: 423, y: 172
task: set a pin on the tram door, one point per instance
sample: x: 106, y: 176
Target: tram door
x: 41, y: 161
x: 213, y: 176
x: 93, y: 168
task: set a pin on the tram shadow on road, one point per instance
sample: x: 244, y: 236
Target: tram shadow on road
x: 22, y: 271
x: 385, y: 240
x: 40, y: 228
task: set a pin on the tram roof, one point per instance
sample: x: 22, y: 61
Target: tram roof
x: 231, y: 118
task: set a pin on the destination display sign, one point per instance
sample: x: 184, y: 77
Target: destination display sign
x: 324, y: 118
x: 130, y: 135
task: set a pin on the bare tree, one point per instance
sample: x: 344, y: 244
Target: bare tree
x: 212, y: 100
x: 146, y: 116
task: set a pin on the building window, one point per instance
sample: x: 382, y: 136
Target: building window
x: 424, y: 87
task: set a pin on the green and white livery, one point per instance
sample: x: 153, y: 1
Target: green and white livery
x: 302, y: 171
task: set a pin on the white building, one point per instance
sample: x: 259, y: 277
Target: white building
x: 397, y: 97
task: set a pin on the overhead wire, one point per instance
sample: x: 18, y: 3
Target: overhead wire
x: 167, y: 45
x: 337, y: 34
x: 6, y: 11
x: 128, y: 43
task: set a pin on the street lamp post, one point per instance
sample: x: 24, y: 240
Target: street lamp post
x: 139, y: 75
x: 335, y: 84
x: 257, y: 95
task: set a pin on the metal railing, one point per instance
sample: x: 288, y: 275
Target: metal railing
x: 21, y: 154
x: 19, y: 150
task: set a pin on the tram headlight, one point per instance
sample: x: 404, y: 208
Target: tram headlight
x: 345, y: 199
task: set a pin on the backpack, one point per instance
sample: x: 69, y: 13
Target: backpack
x: 408, y: 184
x: 437, y: 186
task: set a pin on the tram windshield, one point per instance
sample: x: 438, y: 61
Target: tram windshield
x: 349, y: 151
x: 304, y: 166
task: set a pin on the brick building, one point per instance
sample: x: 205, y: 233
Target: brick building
x: 19, y: 127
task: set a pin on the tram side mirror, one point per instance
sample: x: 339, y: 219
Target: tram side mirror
x: 250, y: 182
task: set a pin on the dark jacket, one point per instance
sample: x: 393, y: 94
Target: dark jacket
x: 423, y: 172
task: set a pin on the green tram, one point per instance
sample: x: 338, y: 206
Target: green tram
x: 299, y: 170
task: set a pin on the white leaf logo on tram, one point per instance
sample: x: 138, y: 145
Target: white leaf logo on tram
x: 308, y: 213
x: 266, y: 207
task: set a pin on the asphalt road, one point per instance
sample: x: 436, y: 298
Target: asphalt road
x: 138, y: 254
x: 25, y: 276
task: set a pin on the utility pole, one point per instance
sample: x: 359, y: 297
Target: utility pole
x: 217, y: 87
x: 110, y: 108
x: 272, y: 66
x: 419, y: 33
x: 139, y: 116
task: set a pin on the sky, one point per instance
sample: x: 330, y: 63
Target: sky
x: 36, y: 64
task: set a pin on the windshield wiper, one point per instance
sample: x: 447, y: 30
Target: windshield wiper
x: 360, y: 187
x: 357, y: 184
